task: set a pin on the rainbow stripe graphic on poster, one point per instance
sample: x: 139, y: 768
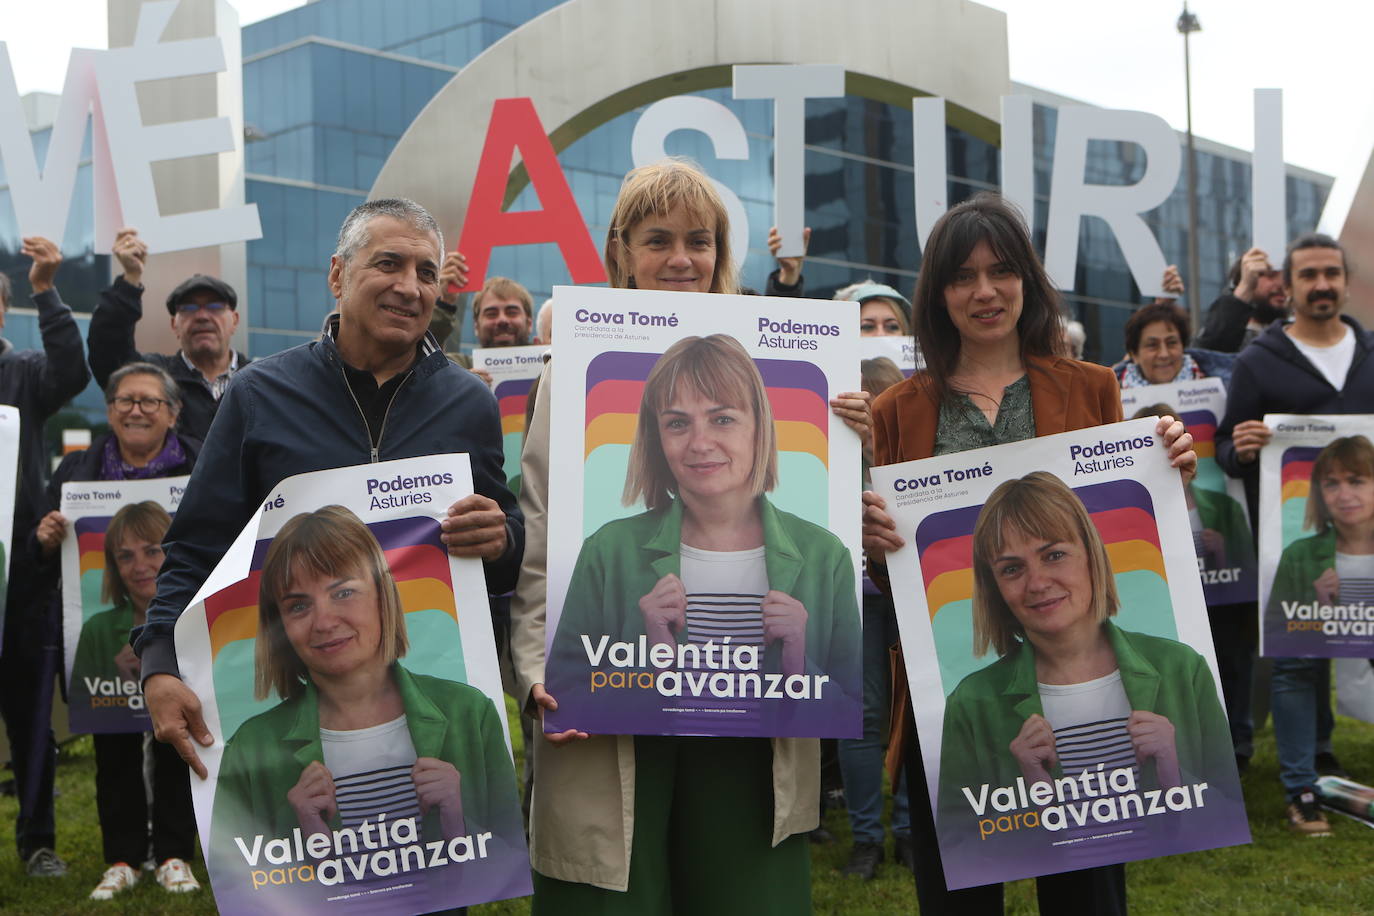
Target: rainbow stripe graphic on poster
x: 1295, y: 475
x: 797, y: 392
x: 90, y: 541
x: 419, y: 564
x: 512, y: 395
x: 1124, y: 515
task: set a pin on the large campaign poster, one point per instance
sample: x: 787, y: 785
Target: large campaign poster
x: 702, y: 496
x: 9, y: 471
x: 1217, y: 515
x: 103, y: 693
x: 1060, y: 661
x: 513, y: 372
x: 1316, y: 515
x: 347, y: 670
x: 901, y: 349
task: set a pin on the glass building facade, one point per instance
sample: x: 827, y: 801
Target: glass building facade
x: 330, y: 87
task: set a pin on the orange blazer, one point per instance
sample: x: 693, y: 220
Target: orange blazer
x: 1066, y: 394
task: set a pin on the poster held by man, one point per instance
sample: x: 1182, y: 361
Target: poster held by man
x: 1316, y: 537
x: 348, y: 674
x: 512, y: 371
x: 715, y: 588
x: 1095, y: 735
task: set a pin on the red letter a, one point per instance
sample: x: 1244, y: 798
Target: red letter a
x: 515, y: 125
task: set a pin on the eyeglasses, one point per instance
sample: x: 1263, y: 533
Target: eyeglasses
x: 187, y: 308
x: 124, y: 403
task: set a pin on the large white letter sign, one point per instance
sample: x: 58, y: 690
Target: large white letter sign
x: 41, y: 203
x: 931, y: 184
x: 134, y: 147
x: 728, y: 139
x: 1072, y: 198
x: 1268, y: 188
x: 1018, y: 154
x: 789, y: 86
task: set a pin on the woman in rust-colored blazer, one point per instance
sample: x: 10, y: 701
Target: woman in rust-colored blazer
x: 987, y: 317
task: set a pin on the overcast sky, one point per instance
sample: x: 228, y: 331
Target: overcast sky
x: 1112, y: 53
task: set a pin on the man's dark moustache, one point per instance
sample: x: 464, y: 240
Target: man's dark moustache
x: 1319, y: 295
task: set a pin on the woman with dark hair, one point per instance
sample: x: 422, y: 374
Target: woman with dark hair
x: 1157, y: 350
x: 640, y: 824
x: 142, y: 404
x: 988, y: 320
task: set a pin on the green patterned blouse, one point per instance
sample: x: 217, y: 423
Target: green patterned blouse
x: 963, y: 426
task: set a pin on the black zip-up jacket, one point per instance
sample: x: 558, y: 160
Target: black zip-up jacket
x: 292, y: 413
x: 38, y: 383
x: 1272, y: 376
x: 110, y: 342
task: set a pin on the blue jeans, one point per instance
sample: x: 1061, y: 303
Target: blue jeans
x: 861, y: 759
x: 1296, y: 691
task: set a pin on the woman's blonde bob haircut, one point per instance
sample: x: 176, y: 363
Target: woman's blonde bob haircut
x: 1040, y: 506
x: 657, y: 189
x: 718, y: 369
x: 1352, y: 454
x: 146, y: 521
x: 328, y: 542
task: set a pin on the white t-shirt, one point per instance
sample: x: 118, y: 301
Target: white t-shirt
x: 371, y: 769
x: 1356, y: 572
x: 1089, y: 722
x: 1333, y: 361
x: 725, y: 590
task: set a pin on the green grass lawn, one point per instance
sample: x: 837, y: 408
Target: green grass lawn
x: 1278, y: 873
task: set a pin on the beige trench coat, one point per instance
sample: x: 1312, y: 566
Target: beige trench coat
x: 582, y: 815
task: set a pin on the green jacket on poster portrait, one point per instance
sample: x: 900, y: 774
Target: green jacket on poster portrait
x: 623, y: 560
x: 1300, y: 566
x: 447, y: 720
x: 986, y: 710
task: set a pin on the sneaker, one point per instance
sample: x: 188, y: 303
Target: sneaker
x: 118, y: 877
x: 44, y: 863
x: 175, y: 877
x: 821, y: 837
x: 904, y: 852
x: 864, y: 860
x: 1305, y: 817
x: 1328, y: 765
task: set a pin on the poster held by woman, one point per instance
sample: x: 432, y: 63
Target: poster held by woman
x: 1059, y: 656
x: 709, y: 582
x: 105, y: 586
x: 346, y: 663
x: 1316, y: 537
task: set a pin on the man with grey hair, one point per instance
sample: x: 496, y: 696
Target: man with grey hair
x: 375, y: 386
x: 543, y: 331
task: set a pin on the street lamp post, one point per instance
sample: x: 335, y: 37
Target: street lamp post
x: 1187, y: 23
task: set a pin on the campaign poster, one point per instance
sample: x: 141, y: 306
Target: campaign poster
x: 1061, y: 667
x: 704, y: 502
x: 902, y: 350
x: 347, y: 672
x: 1217, y: 515
x: 513, y: 371
x: 102, y: 581
x: 1316, y: 515
x: 9, y: 470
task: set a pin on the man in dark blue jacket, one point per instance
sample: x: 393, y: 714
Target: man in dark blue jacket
x: 204, y: 315
x: 374, y: 387
x: 1319, y: 363
x: 37, y: 383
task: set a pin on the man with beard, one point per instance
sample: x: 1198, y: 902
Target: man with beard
x: 204, y: 315
x: 1319, y: 363
x: 1257, y: 299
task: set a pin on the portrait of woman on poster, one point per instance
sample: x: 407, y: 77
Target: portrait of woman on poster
x: 356, y: 736
x: 1335, y: 564
x: 712, y: 557
x: 1070, y: 689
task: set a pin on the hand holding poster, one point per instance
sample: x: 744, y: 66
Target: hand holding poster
x: 1095, y: 734
x: 110, y: 559
x: 1217, y: 515
x: 512, y: 372
x: 347, y: 671
x: 1316, y: 525
x: 714, y: 591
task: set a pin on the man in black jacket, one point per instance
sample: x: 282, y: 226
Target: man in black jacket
x: 37, y: 383
x: 1320, y: 363
x: 1257, y: 298
x: 204, y: 314
x: 375, y: 386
